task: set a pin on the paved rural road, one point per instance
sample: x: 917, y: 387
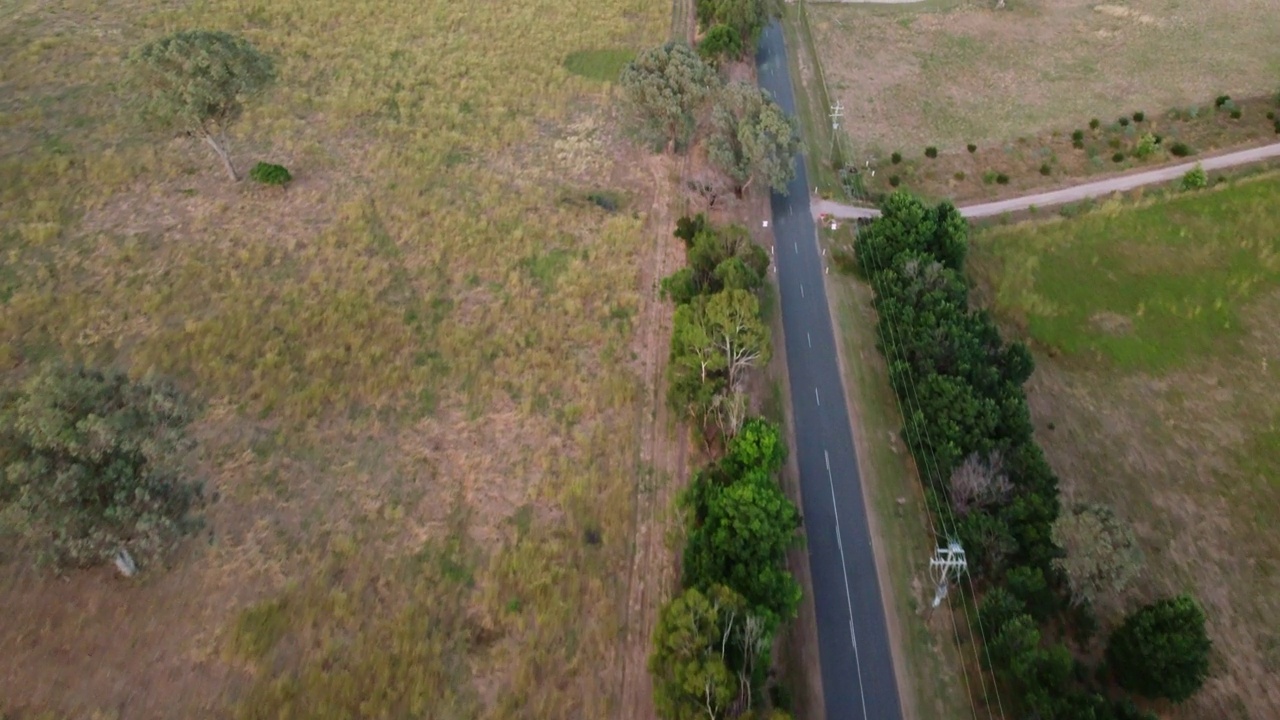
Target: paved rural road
x: 853, y: 643
x: 1076, y: 193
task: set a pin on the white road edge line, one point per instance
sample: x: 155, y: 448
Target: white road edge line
x: 848, y: 598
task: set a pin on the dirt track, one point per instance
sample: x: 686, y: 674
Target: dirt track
x: 1076, y: 193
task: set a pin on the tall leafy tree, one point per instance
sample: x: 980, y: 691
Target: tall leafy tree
x: 93, y: 459
x: 665, y: 87
x: 752, y: 138
x: 692, y: 678
x: 720, y: 42
x: 199, y: 80
x: 742, y: 541
x: 738, y: 331
x: 1162, y: 650
x: 1102, y: 555
x: 746, y: 17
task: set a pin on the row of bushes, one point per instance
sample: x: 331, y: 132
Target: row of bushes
x: 713, y: 641
x: 969, y: 429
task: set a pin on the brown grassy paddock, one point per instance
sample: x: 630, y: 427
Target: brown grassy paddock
x: 419, y: 359
x: 1017, y: 83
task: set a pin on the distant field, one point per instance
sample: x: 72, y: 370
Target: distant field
x: 951, y: 73
x: 1158, y: 367
x: 419, y: 360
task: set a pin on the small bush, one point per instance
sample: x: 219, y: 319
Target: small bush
x: 1077, y: 136
x: 895, y: 158
x: 1002, y: 179
x: 972, y: 148
x: 1114, y: 143
x: 960, y: 175
x: 931, y: 152
x: 989, y: 177
x: 894, y: 180
x: 1179, y: 149
x: 1278, y: 127
x: 1094, y: 124
x: 1195, y: 179
x: 1124, y: 122
x: 1235, y: 114
x: 270, y: 174
x: 1221, y: 100
x: 1271, y: 115
x: 1139, y: 116
x: 1146, y: 146
x: 1045, y: 169
x: 1118, y: 157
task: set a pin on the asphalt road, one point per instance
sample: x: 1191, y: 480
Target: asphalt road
x: 1076, y: 193
x: 853, y: 642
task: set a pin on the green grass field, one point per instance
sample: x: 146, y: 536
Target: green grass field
x: 417, y: 358
x: 1155, y: 332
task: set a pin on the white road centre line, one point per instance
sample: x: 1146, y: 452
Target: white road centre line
x: 815, y: 396
x: 801, y: 289
x: 810, y: 339
x: 797, y: 244
x: 848, y: 597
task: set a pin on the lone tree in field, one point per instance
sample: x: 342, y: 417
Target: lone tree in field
x: 1162, y: 650
x: 752, y: 138
x: 1102, y: 555
x: 92, y: 460
x: 664, y: 89
x: 199, y: 80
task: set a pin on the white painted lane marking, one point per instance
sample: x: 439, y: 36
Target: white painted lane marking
x: 801, y: 289
x: 815, y: 397
x: 848, y: 597
x: 797, y: 244
x: 810, y: 339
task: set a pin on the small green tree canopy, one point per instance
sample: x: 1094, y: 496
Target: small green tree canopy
x: 664, y: 88
x: 1102, y: 555
x: 746, y: 17
x: 752, y: 137
x: 93, y: 460
x: 721, y: 42
x: 692, y: 679
x: 1162, y: 650
x: 199, y: 80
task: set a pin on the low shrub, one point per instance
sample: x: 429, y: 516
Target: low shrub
x: 894, y: 180
x: 1139, y: 116
x: 1235, y: 114
x: 931, y: 152
x: 1118, y: 157
x: 1221, y: 100
x: 270, y: 174
x: 988, y: 177
x: 1278, y: 127
x: 960, y: 175
x: 1114, y: 143
x: 1094, y: 124
x: 1271, y: 115
x: 1124, y: 122
x: 895, y: 158
x: 1146, y: 146
x: 1002, y: 179
x: 972, y: 148
x: 1077, y: 136
x: 1045, y: 169
x: 1179, y: 149
x: 1195, y: 179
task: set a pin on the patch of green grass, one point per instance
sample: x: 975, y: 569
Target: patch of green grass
x: 259, y: 627
x: 1150, y: 287
x: 602, y: 65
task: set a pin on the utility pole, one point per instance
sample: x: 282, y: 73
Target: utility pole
x: 946, y: 563
x: 837, y: 112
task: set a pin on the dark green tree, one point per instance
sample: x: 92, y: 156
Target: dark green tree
x: 1162, y: 650
x: 691, y: 676
x: 720, y: 43
x: 746, y: 529
x: 746, y: 17
x: 665, y: 88
x: 199, y: 80
x: 94, y: 461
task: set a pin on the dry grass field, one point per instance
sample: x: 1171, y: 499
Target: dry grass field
x: 1158, y: 368
x: 950, y: 73
x: 424, y: 363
